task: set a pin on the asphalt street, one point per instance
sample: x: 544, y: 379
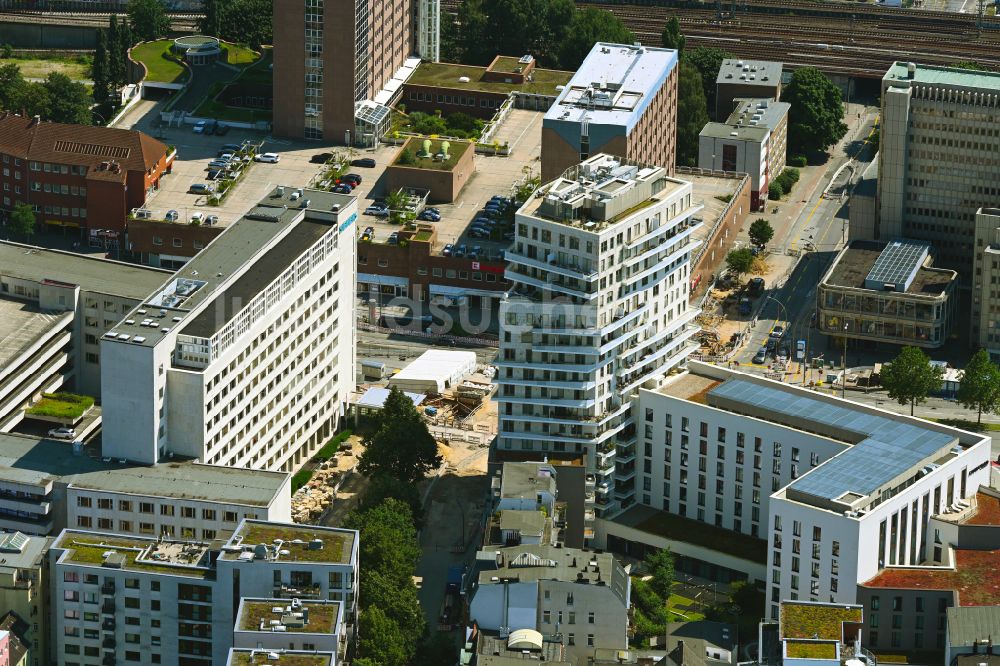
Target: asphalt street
x: 816, y: 235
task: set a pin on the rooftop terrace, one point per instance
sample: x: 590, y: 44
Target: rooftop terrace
x: 855, y: 264
x: 447, y: 75
x: 975, y: 578
x: 987, y: 511
x: 299, y: 543
x: 302, y: 617
x: 601, y: 192
x: 817, y: 621
x: 181, y: 558
x: 279, y: 658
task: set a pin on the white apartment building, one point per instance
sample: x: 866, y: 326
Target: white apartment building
x: 46, y: 486
x: 839, y: 490
x: 54, y: 307
x: 938, y: 158
x: 122, y: 599
x: 598, y: 307
x: 244, y: 357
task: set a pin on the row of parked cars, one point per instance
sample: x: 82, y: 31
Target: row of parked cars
x: 463, y: 250
x: 490, y: 217
x: 210, y: 127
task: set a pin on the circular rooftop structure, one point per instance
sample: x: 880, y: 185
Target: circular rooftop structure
x: 197, y: 49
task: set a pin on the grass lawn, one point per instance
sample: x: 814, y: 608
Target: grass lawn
x: 321, y: 616
x: 447, y: 75
x: 969, y: 425
x: 455, y: 150
x: 258, y: 73
x: 39, y: 68
x: 677, y: 614
x: 239, y: 55
x: 67, y: 406
x: 212, y: 109
x: 159, y: 67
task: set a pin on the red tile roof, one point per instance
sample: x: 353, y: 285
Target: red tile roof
x: 78, y: 144
x: 975, y: 579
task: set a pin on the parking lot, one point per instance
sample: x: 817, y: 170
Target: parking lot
x: 493, y: 176
x: 195, y: 151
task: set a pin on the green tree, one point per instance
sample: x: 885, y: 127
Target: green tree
x: 406, y: 157
x: 451, y: 43
x: 980, y: 387
x: 587, y: 27
x: 708, y: 61
x: 126, y: 40
x: 966, y: 64
x: 740, y: 261
x: 474, y: 37
x: 148, y: 19
x: 246, y: 22
x: 116, y: 66
x: 816, y: 117
x: 438, y: 649
x: 672, y: 37
x: 383, y: 487
x: 660, y: 565
x: 382, y: 641
x: 910, y: 377
x: 212, y: 20
x: 68, y: 100
x: 388, y: 538
x: 692, y: 114
x: 22, y: 221
x: 99, y: 71
x: 761, y: 233
x: 401, y: 445
x: 6, y: 51
x: 13, y: 88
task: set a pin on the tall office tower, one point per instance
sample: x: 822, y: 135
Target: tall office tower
x: 598, y: 307
x: 937, y: 157
x: 330, y: 55
x: 245, y: 356
x: 622, y: 101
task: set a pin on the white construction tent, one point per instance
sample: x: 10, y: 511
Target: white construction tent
x: 435, y: 371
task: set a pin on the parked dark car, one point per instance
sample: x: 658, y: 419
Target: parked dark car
x: 364, y: 162
x: 320, y: 158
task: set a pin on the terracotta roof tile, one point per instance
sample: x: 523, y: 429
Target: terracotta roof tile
x: 78, y: 144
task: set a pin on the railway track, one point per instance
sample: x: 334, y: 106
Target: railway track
x: 186, y: 22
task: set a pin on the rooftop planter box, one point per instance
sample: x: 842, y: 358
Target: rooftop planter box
x: 62, y: 408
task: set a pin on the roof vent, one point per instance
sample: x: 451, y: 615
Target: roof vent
x: 316, y: 544
x: 260, y: 552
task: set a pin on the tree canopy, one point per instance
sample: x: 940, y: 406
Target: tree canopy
x: 99, y: 70
x: 68, y: 100
x: 708, y: 61
x: 22, y: 220
x: 740, y: 261
x: 672, y: 37
x: 661, y: 567
x: 240, y: 21
x: 761, y: 233
x: 692, y: 114
x: 401, y: 446
x: 391, y: 619
x: 980, y: 387
x: 589, y: 26
x: 816, y: 117
x: 148, y: 19
x: 553, y: 31
x: 910, y: 377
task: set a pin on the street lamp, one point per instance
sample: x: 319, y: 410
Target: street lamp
x: 843, y: 377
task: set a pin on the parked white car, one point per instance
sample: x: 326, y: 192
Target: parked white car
x: 268, y: 157
x: 62, y: 433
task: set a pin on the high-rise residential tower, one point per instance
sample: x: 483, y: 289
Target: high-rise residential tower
x: 599, y: 307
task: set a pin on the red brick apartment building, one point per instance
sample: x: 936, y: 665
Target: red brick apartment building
x: 329, y: 55
x: 77, y: 176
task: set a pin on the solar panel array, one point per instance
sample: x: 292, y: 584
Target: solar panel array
x: 888, y: 449
x: 897, y: 265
